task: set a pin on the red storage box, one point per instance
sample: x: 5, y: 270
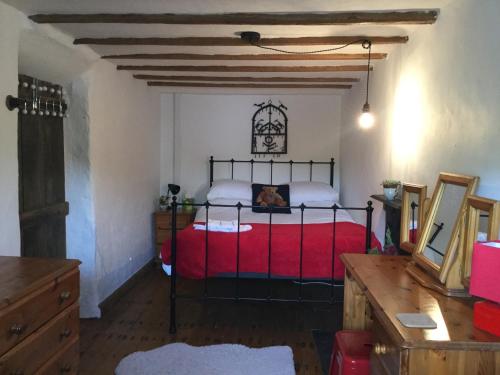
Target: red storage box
x: 485, y: 275
x: 487, y: 317
x: 351, y: 353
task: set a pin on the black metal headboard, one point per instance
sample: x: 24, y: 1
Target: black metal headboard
x: 271, y: 162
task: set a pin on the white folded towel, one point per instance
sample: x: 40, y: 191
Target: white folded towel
x: 223, y: 226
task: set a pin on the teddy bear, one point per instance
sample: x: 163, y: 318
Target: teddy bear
x: 269, y: 196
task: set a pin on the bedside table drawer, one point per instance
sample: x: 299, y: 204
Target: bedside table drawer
x: 164, y: 220
x: 162, y: 235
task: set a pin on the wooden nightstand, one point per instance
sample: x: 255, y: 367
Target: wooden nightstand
x: 392, y: 221
x: 163, y: 225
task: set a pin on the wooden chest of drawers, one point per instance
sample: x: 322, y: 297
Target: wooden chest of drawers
x: 163, y: 225
x: 39, y: 316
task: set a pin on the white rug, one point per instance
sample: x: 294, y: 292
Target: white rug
x: 225, y: 359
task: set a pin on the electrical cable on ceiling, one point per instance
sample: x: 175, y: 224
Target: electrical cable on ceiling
x: 253, y: 38
x: 366, y: 119
x: 309, y: 52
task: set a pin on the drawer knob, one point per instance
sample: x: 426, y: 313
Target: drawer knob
x: 380, y: 348
x: 66, y: 333
x: 64, y: 296
x: 65, y: 368
x: 17, y: 329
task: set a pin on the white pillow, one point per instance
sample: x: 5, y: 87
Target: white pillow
x: 230, y: 189
x: 232, y: 202
x: 306, y: 191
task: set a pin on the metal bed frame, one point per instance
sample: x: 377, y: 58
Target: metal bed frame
x: 331, y: 282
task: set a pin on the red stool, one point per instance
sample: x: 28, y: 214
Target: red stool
x: 351, y: 353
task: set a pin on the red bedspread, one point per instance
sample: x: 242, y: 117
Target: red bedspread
x: 285, y: 256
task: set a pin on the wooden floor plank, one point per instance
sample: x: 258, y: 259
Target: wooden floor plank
x: 139, y: 321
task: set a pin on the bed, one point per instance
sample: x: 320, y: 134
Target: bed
x: 285, y: 240
x: 301, y: 241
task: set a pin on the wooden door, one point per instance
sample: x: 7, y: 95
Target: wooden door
x: 42, y: 205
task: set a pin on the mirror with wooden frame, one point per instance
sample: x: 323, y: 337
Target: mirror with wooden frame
x: 437, y: 255
x: 412, y: 215
x: 482, y: 224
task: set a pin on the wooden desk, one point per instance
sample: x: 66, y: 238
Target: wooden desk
x: 378, y: 287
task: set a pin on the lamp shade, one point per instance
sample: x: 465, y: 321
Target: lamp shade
x: 174, y: 189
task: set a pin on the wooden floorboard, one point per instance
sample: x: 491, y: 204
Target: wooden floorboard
x: 139, y: 321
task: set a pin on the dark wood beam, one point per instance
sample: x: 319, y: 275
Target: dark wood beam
x: 153, y: 77
x: 222, y: 68
x: 251, y: 57
x: 418, y: 17
x: 248, y: 85
x: 224, y: 41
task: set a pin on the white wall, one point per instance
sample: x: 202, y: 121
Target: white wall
x: 80, y: 222
x: 9, y: 201
x: 436, y: 101
x: 125, y: 165
x: 112, y: 155
x: 220, y: 125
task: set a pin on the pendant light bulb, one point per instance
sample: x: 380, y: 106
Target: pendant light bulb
x: 366, y: 119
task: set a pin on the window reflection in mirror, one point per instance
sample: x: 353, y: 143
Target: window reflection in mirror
x: 482, y: 230
x: 414, y: 225
x: 444, y: 222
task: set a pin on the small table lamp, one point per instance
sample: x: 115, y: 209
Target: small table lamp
x: 174, y: 189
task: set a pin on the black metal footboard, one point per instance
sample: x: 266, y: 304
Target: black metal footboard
x: 332, y: 283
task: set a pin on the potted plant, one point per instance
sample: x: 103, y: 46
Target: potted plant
x: 163, y: 202
x: 390, y: 188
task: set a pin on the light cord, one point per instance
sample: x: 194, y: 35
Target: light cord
x: 368, y: 69
x: 309, y: 52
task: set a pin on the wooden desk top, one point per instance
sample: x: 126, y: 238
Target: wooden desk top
x: 20, y: 276
x: 391, y: 290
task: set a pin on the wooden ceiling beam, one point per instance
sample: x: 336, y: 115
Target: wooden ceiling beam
x: 224, y: 41
x: 247, y: 85
x: 153, y: 77
x: 251, y: 57
x: 222, y: 68
x: 423, y: 16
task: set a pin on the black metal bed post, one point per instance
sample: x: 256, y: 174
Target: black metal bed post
x: 271, y: 163
x: 205, y: 280
x: 211, y: 170
x: 369, y: 212
x: 302, y: 207
x: 239, y: 205
x: 173, y: 276
x: 334, y: 241
x: 332, y: 171
x: 413, y: 206
x: 269, y: 292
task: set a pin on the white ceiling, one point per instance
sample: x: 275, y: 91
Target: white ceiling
x: 30, y: 7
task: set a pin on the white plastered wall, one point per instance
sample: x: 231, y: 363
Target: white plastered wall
x: 436, y: 102
x: 9, y: 202
x: 112, y: 155
x: 220, y: 125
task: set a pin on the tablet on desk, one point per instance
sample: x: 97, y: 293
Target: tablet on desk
x: 416, y: 320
